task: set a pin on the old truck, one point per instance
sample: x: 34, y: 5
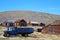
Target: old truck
x: 15, y: 31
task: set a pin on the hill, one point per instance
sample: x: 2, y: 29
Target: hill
x: 29, y: 16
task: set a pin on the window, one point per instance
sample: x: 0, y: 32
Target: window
x: 34, y: 24
x: 11, y: 28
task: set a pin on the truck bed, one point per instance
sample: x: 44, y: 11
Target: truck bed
x: 24, y: 30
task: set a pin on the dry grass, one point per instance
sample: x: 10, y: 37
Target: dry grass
x: 2, y: 39
x: 33, y: 36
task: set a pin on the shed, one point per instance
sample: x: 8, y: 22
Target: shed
x: 53, y: 28
x: 42, y: 24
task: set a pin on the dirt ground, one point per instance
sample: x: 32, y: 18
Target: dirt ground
x: 33, y: 36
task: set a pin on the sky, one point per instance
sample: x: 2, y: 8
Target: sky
x: 48, y: 6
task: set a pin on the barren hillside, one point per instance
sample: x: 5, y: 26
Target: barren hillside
x: 29, y: 16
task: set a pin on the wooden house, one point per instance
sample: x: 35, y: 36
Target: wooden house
x: 53, y: 28
x: 17, y: 22
x: 21, y: 22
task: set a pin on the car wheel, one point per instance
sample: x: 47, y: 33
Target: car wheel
x: 8, y: 35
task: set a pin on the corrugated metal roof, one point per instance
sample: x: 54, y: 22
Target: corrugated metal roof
x: 10, y: 21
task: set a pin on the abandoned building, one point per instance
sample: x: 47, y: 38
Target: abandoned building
x: 17, y: 22
x: 53, y: 28
x: 8, y: 23
x: 35, y: 24
x: 21, y: 22
x: 0, y: 24
x: 42, y: 24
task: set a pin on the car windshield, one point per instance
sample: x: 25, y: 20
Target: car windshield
x: 11, y: 28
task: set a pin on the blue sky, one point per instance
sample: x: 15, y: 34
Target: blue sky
x: 49, y: 6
